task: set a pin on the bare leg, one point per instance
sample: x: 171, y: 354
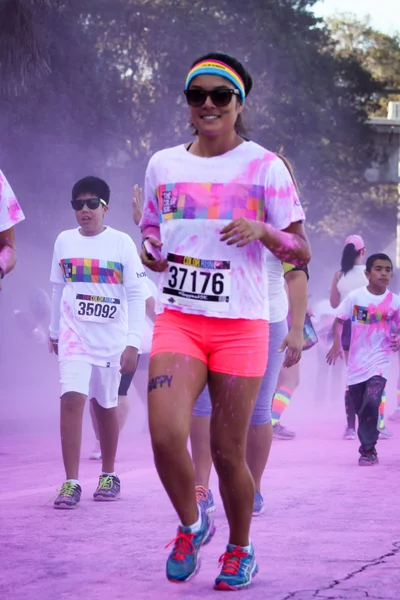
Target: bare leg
x: 72, y: 406
x: 259, y: 440
x: 107, y: 420
x: 123, y: 411
x: 201, y: 449
x: 94, y: 419
x: 233, y: 400
x: 175, y: 381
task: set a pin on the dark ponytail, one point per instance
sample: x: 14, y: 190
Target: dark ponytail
x: 349, y: 258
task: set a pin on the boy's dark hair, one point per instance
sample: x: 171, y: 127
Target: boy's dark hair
x: 244, y: 74
x: 92, y: 185
x: 374, y: 257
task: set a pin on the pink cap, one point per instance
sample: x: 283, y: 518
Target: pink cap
x: 356, y: 240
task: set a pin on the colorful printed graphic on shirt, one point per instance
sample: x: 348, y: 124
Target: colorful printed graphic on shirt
x: 92, y: 270
x: 226, y: 201
x: 364, y: 316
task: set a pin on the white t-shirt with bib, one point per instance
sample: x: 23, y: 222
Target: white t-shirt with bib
x: 190, y: 199
x: 373, y: 319
x: 101, y: 274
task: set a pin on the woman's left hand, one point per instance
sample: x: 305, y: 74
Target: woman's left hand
x: 293, y: 344
x: 242, y: 232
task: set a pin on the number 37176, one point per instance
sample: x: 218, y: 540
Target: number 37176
x: 198, y: 281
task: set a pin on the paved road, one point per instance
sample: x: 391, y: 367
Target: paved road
x: 331, y: 529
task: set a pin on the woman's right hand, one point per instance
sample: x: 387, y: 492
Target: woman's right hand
x: 154, y: 265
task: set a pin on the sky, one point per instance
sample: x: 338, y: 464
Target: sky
x: 385, y: 14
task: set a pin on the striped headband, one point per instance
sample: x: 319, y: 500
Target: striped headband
x: 216, y: 67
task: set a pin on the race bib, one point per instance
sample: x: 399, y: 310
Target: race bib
x: 197, y: 283
x: 96, y: 308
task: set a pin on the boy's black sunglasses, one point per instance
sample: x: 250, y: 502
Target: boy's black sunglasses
x: 91, y: 203
x: 219, y: 97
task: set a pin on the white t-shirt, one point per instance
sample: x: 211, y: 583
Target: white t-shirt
x: 190, y: 199
x: 277, y: 296
x: 372, y: 321
x: 352, y: 280
x: 10, y: 211
x: 102, y: 304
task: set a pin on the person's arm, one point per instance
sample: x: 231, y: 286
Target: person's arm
x: 343, y: 313
x: 289, y: 245
x: 150, y: 221
x: 135, y: 297
x: 137, y: 205
x: 54, y: 326
x: 297, y: 285
x: 58, y: 281
x: 8, y: 252
x: 282, y: 230
x: 335, y: 296
x: 296, y: 279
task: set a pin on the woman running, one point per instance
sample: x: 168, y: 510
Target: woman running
x: 351, y: 277
x: 213, y: 207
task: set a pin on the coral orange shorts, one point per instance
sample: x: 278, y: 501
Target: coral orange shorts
x: 231, y: 346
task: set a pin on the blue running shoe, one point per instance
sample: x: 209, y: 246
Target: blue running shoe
x: 238, y: 569
x: 205, y: 499
x: 184, y: 562
x: 258, y: 507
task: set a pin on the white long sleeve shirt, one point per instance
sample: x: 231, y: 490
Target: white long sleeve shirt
x: 98, y: 302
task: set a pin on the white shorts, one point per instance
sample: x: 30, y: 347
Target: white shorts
x: 101, y: 383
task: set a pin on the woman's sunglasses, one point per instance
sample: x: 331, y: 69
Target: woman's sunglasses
x: 91, y: 203
x: 219, y: 97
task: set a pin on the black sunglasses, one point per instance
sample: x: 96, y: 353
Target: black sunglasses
x: 219, y: 97
x: 91, y: 203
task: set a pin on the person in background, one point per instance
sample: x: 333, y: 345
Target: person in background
x: 374, y: 312
x: 10, y: 214
x: 352, y: 277
x: 97, y: 319
x: 289, y: 379
x: 211, y: 209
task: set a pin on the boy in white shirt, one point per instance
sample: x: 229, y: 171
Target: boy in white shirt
x: 375, y: 318
x: 97, y: 298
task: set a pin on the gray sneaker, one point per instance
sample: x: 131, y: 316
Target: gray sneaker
x: 69, y: 496
x: 368, y: 459
x: 350, y: 434
x: 108, y: 489
x: 384, y: 434
x: 281, y: 433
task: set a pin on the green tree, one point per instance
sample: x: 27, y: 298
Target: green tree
x: 377, y: 52
x: 109, y: 91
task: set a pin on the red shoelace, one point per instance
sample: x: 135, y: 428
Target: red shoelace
x: 230, y: 561
x: 183, y: 545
